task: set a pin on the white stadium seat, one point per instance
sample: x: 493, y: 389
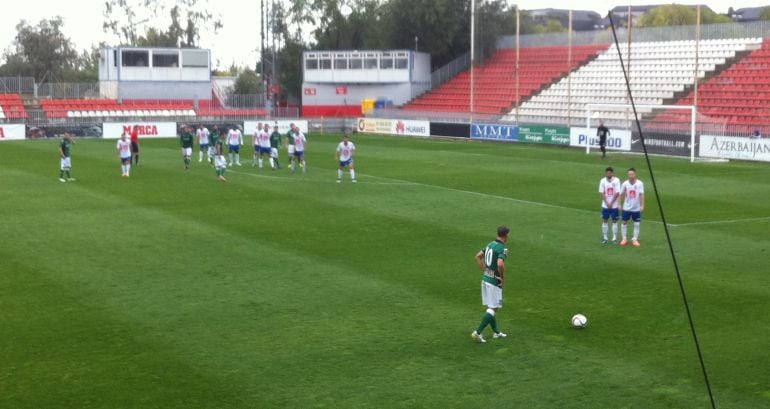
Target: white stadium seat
x: 657, y: 71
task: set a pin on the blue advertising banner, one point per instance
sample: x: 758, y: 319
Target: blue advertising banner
x: 495, y: 132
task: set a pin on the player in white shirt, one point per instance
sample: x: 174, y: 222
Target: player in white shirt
x: 299, y: 150
x: 264, y: 146
x: 124, y: 151
x: 344, y: 154
x: 203, y: 143
x: 632, y: 192
x: 255, y: 143
x: 609, y: 190
x: 235, y: 141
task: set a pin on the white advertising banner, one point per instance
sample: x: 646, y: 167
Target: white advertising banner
x: 619, y: 140
x: 283, y: 125
x: 393, y: 127
x: 146, y: 130
x: 12, y: 132
x: 730, y: 147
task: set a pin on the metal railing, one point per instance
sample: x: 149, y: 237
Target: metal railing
x: 243, y: 101
x: 642, y: 34
x: 67, y: 90
x: 450, y: 70
x: 17, y: 85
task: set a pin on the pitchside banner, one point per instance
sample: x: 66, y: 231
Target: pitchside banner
x: 283, y: 125
x: 729, y: 147
x: 393, y: 127
x: 496, y: 132
x: 663, y: 144
x: 13, y: 132
x: 619, y: 140
x: 145, y: 129
x: 550, y: 135
x: 58, y: 130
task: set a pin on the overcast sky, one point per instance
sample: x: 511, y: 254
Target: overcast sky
x: 239, y: 38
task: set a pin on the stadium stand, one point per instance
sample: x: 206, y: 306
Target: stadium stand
x: 738, y: 95
x: 660, y: 72
x: 495, y: 88
x: 110, y: 108
x: 11, y: 107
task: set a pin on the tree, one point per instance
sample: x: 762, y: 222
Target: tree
x: 680, y: 15
x: 765, y: 13
x: 41, y: 51
x: 442, y: 27
x: 130, y: 20
x: 247, y: 82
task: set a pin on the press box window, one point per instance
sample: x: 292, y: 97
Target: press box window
x: 326, y: 64
x: 311, y: 64
x: 165, y: 60
x: 402, y: 63
x: 370, y: 63
x: 135, y: 58
x: 193, y: 58
x: 340, y: 64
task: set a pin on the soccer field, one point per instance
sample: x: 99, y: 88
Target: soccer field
x: 173, y: 290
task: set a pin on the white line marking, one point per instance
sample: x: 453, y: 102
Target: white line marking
x: 402, y: 182
x: 470, y: 192
x: 730, y: 221
x: 300, y: 178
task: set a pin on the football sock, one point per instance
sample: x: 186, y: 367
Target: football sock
x: 260, y: 163
x: 231, y: 157
x: 637, y: 227
x: 485, y: 320
x: 277, y: 165
x: 352, y: 174
x: 200, y: 155
x: 614, y: 231
x: 339, y: 174
x: 624, y: 230
x: 68, y: 174
x: 605, y: 228
x: 272, y: 162
x: 238, y: 158
x: 493, y: 324
x: 128, y: 169
x: 137, y: 159
x: 61, y: 174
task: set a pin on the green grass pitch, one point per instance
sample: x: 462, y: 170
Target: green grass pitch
x: 173, y: 290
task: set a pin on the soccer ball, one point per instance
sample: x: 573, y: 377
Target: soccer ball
x: 579, y: 321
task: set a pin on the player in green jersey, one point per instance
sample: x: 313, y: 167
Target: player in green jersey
x: 275, y: 144
x: 290, y: 143
x: 64, y: 155
x: 491, y: 260
x: 215, y: 136
x: 220, y: 163
x: 187, y: 140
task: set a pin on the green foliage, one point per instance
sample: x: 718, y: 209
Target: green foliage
x: 680, y: 15
x: 42, y: 51
x: 247, y: 82
x: 172, y: 290
x: 765, y: 14
x: 128, y: 19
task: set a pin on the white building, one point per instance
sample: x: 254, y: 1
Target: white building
x: 155, y: 73
x: 336, y: 82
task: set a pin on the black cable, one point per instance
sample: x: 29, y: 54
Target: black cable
x: 663, y: 218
